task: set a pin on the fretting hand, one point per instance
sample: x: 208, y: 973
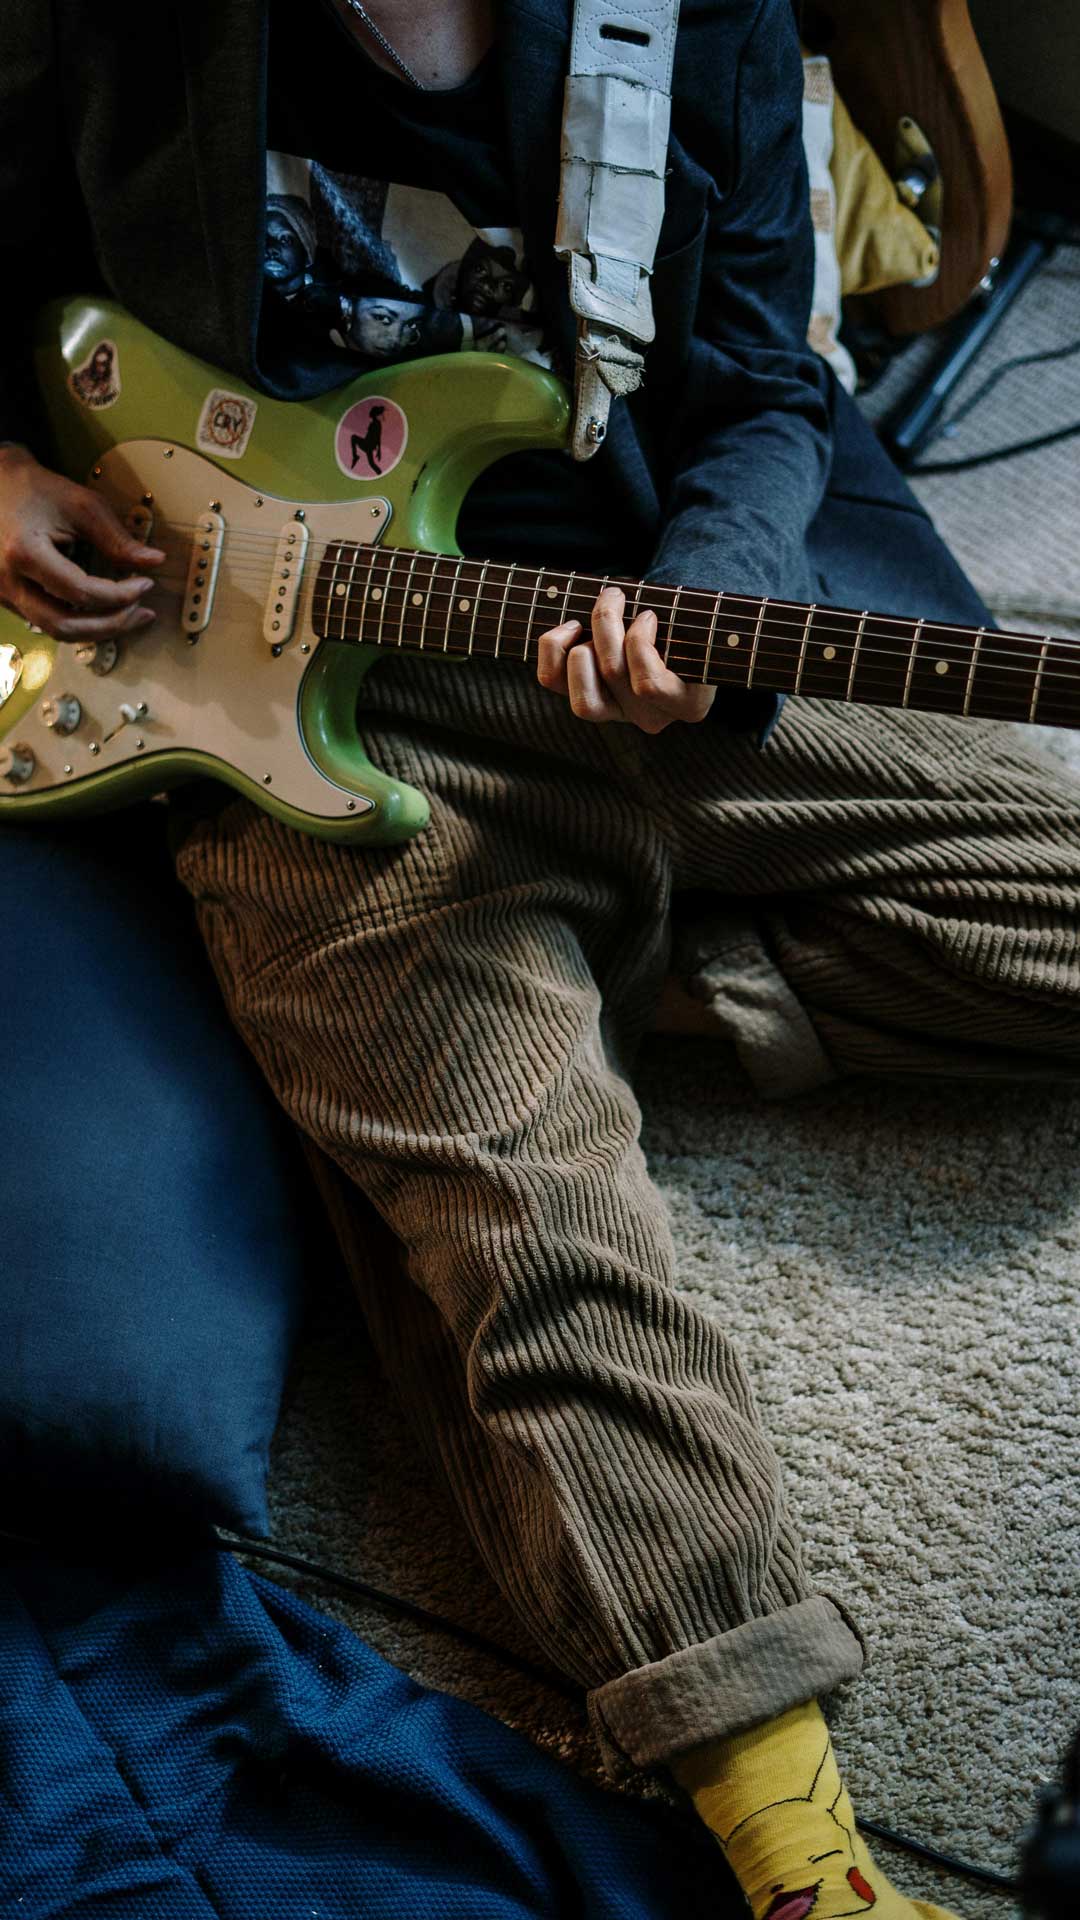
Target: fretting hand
x: 618, y: 673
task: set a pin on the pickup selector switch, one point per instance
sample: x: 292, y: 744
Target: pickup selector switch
x: 62, y: 712
x: 99, y: 655
x: 17, y: 763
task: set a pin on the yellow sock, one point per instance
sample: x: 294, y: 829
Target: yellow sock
x: 775, y: 1801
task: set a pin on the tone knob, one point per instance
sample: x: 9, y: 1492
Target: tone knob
x: 17, y: 763
x: 99, y: 655
x: 62, y: 713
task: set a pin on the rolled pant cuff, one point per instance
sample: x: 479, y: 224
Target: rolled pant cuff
x: 749, y: 1674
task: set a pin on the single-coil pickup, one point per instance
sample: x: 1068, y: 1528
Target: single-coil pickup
x: 285, y: 582
x: 203, y: 571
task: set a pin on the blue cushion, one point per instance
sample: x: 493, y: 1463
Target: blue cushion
x: 188, y: 1741
x: 153, y: 1235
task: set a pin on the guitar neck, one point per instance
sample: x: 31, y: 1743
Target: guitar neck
x: 398, y: 599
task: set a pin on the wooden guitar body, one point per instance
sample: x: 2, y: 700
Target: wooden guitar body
x: 920, y: 58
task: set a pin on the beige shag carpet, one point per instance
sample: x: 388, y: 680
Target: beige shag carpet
x: 901, y: 1266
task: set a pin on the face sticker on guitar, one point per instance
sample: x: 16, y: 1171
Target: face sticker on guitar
x: 370, y: 437
x: 225, y: 424
x: 97, y: 382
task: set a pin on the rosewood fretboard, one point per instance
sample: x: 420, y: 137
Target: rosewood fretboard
x: 394, y: 597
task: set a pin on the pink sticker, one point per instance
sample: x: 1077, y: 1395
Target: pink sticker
x: 370, y: 438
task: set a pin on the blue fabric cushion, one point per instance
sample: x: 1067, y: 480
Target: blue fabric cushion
x: 195, y: 1743
x: 153, y: 1233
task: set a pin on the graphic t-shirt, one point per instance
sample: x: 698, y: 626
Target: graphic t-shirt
x: 391, y: 234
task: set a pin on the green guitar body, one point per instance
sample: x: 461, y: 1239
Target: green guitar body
x: 460, y: 412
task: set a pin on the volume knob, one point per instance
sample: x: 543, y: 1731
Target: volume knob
x: 99, y: 655
x: 62, y: 713
x: 17, y: 763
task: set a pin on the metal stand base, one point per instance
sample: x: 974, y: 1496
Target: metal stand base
x: 908, y: 426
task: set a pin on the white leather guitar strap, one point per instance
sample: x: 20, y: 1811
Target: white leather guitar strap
x: 616, y: 122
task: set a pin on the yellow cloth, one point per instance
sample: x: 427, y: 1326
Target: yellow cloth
x: 879, y: 241
x: 774, y: 1799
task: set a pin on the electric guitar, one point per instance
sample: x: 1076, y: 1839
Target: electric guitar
x: 303, y: 542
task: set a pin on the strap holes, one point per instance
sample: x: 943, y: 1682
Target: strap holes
x: 631, y: 35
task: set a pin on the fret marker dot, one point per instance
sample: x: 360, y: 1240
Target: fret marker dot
x: 464, y: 605
x: 418, y: 599
x: 376, y: 593
x: 829, y: 653
x: 733, y: 639
x: 941, y: 666
x: 340, y: 588
x: 552, y: 593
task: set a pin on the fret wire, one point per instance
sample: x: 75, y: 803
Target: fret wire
x: 603, y: 584
x: 637, y: 601
x: 502, y: 612
x: 476, y: 605
x: 971, y: 669
x: 757, y: 640
x: 570, y: 578
x: 671, y: 624
x: 391, y: 557
x: 802, y: 649
x: 1038, y: 676
x: 362, y: 614
x: 709, y: 642
x: 855, y: 653
x: 347, y: 601
x: 405, y: 598
x: 428, y: 598
x: 911, y: 663
x: 450, y: 603
x: 531, y: 615
x: 334, y: 591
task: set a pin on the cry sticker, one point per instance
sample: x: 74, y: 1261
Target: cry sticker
x: 97, y: 382
x: 370, y: 437
x: 225, y: 424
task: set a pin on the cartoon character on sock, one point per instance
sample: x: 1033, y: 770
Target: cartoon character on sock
x: 825, y: 1825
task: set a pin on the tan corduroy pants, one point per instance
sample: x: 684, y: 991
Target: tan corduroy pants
x: 453, y: 1021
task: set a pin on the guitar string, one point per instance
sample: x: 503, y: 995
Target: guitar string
x: 992, y: 653
x: 868, y: 689
x: 525, y: 592
x: 685, y: 663
x: 823, y: 627
x: 561, y: 576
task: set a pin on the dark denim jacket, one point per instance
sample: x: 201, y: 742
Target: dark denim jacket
x: 132, y: 159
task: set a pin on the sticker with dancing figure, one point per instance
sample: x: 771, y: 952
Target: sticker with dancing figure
x: 97, y: 382
x: 225, y: 424
x: 370, y: 437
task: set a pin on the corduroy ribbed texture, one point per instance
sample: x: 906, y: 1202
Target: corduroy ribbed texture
x: 453, y: 1021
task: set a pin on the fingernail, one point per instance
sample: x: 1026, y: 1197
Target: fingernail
x: 143, y: 586
x: 144, y: 618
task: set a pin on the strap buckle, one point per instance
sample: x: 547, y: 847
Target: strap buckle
x: 607, y: 365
